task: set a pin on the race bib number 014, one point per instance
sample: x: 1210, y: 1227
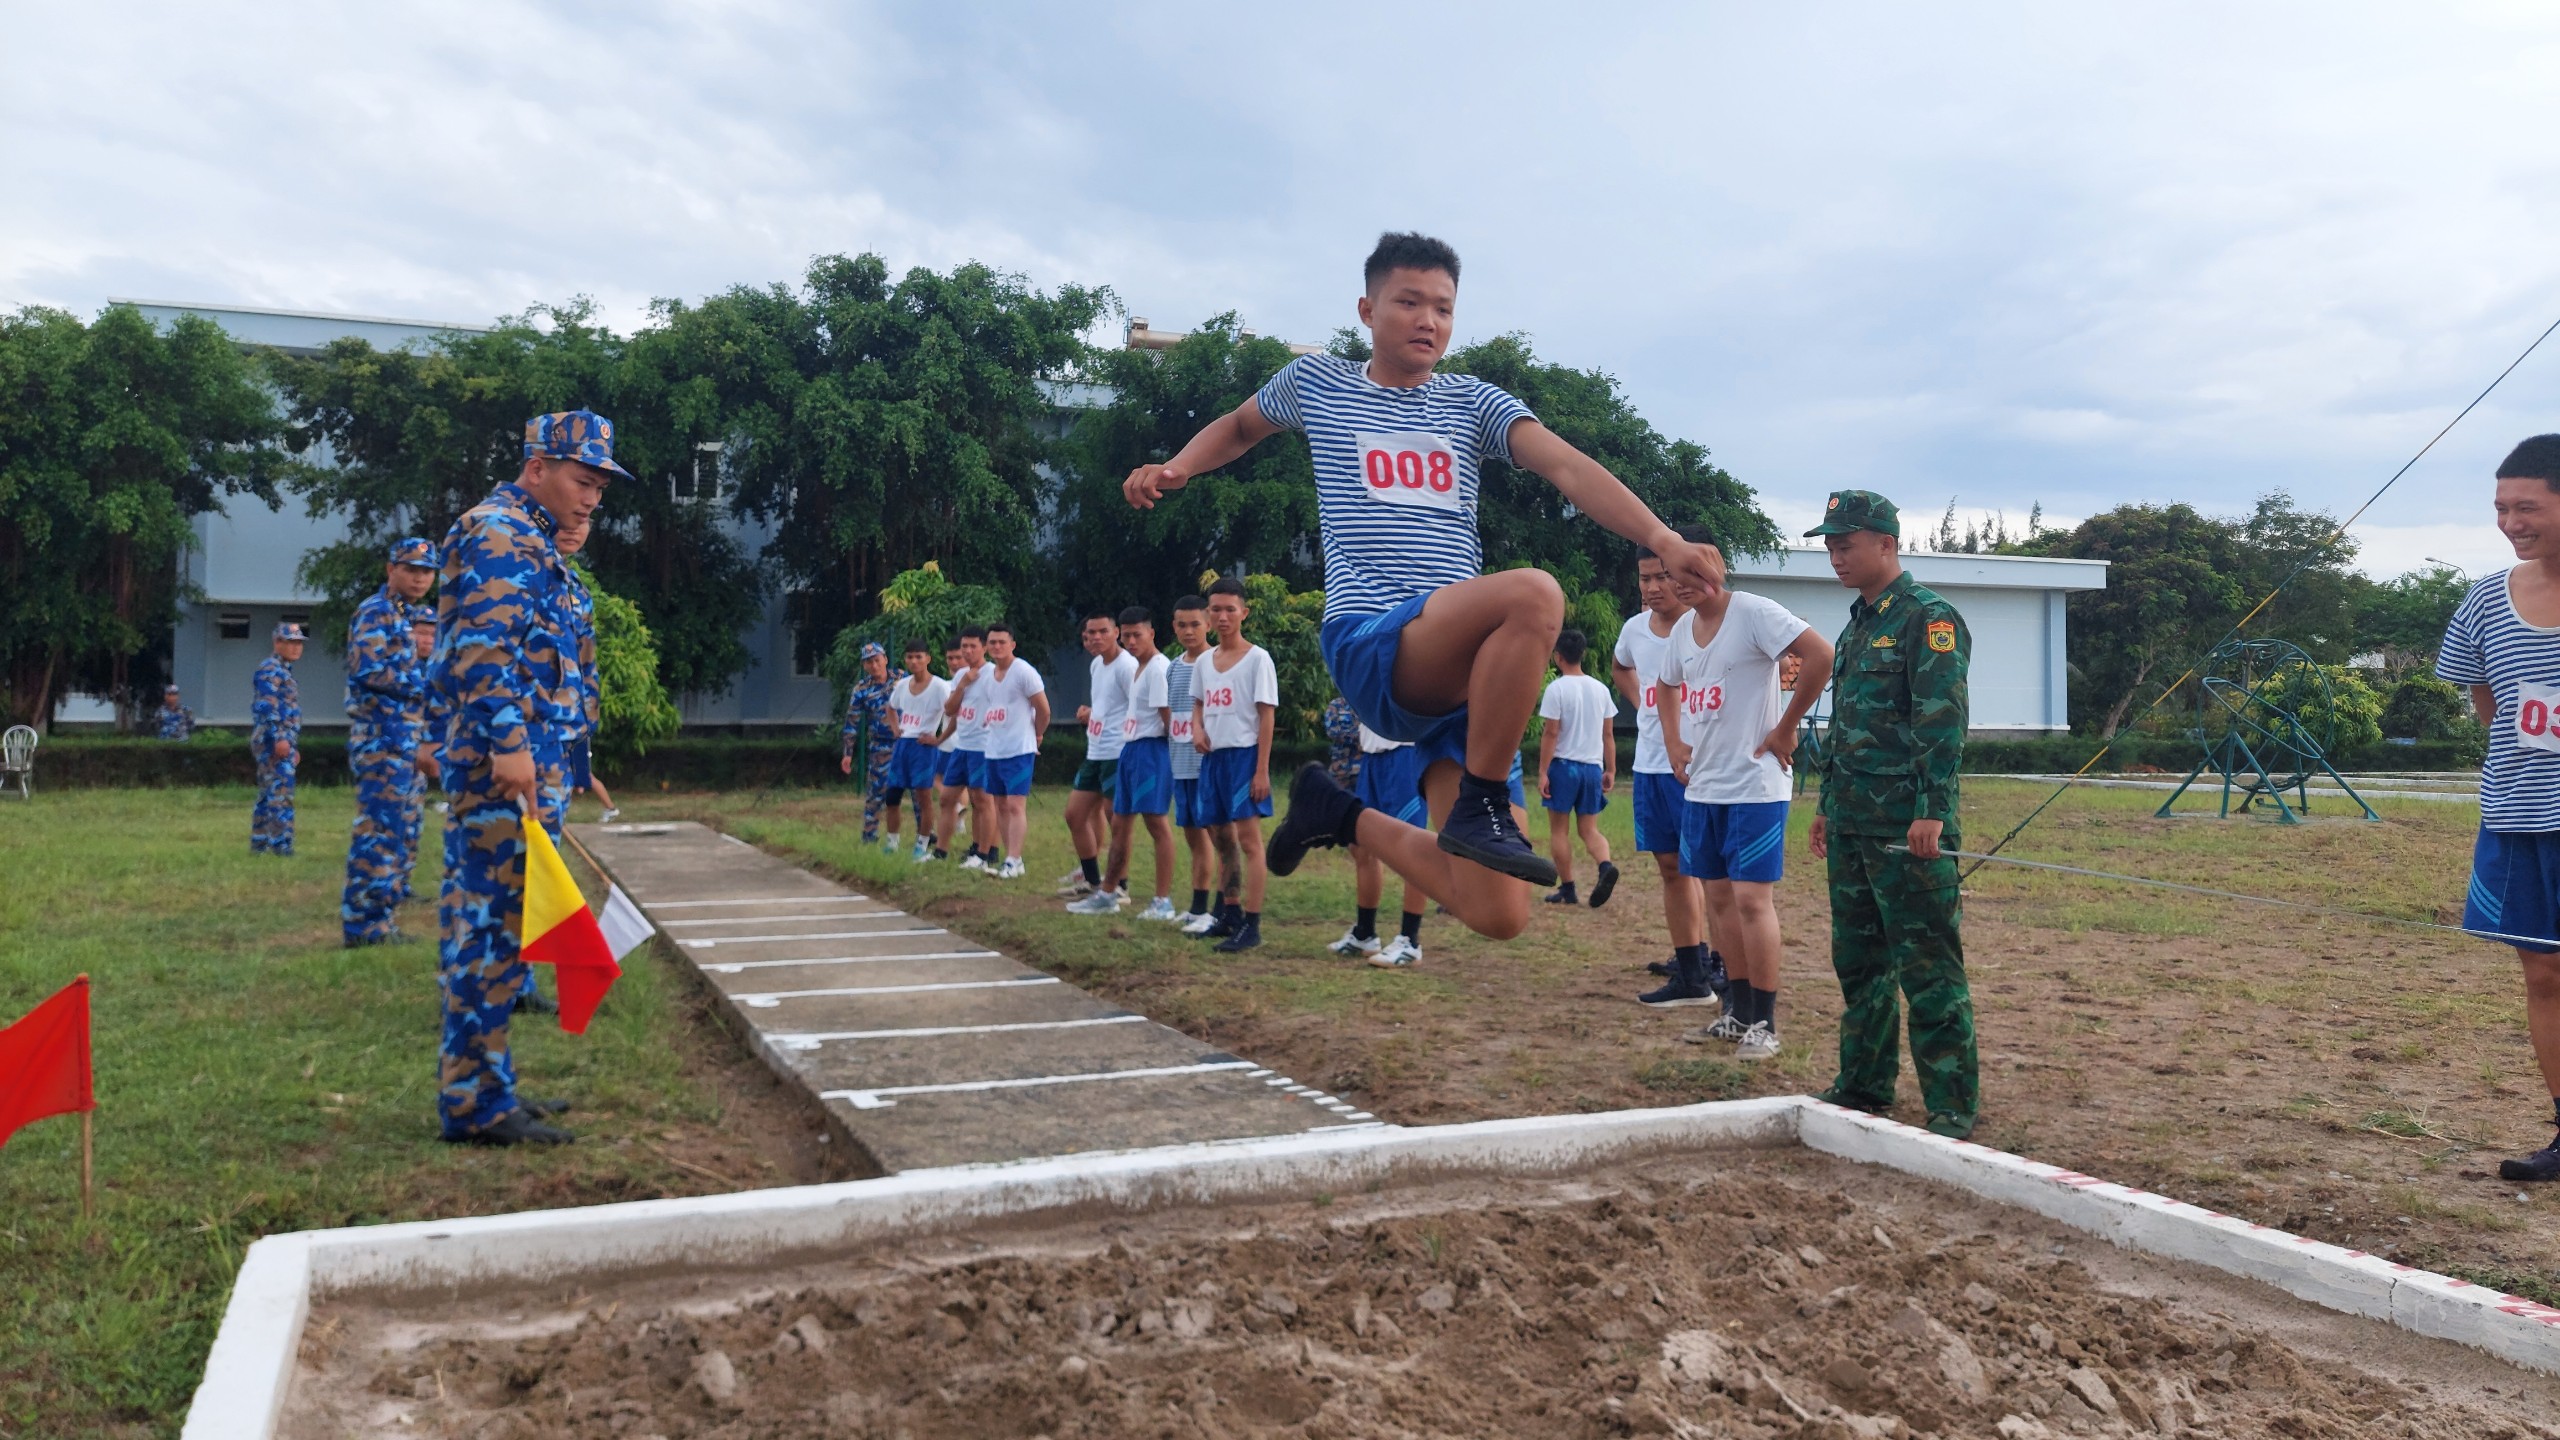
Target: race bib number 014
x: 1408, y: 469
x: 2538, y: 716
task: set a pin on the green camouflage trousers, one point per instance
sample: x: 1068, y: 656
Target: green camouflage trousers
x: 1897, y: 926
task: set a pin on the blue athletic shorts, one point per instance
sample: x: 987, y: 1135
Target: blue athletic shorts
x: 2515, y: 886
x: 1573, y: 787
x: 1391, y: 783
x: 578, y: 760
x: 1360, y: 653
x: 1186, y: 803
x: 1144, y: 782
x: 1226, y: 787
x: 910, y: 766
x: 968, y: 769
x: 942, y: 765
x: 1659, y: 800
x: 1734, y: 842
x: 1008, y: 776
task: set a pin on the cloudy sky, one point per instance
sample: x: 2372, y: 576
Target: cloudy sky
x: 1998, y: 255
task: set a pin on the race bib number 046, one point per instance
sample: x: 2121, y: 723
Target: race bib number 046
x: 1408, y: 469
x: 2538, y: 716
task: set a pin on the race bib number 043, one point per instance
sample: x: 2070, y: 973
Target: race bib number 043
x: 1408, y: 469
x: 2538, y: 716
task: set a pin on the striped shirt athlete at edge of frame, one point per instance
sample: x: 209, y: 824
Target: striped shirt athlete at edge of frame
x: 1425, y: 648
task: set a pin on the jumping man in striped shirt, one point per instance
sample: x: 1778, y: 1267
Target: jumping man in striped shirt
x: 1424, y: 647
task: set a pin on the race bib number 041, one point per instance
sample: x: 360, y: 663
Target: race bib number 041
x: 2538, y: 716
x: 1408, y: 469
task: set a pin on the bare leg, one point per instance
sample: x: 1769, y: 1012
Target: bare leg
x: 1592, y: 840
x: 891, y: 815
x: 1197, y: 840
x: 947, y: 805
x: 1684, y: 910
x: 596, y: 788
x: 1369, y: 878
x: 1014, y: 815
x: 2542, y: 1013
x: 1490, y: 903
x: 1115, y: 873
x: 1230, y: 862
x: 1257, y: 877
x: 1748, y: 920
x: 1560, y: 843
x: 985, y: 828
x: 1080, y: 807
x: 1160, y: 840
x: 924, y: 812
x: 1482, y: 643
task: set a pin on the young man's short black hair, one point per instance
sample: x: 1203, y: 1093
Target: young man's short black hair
x: 1100, y: 612
x: 971, y: 632
x: 2535, y: 459
x: 1227, y: 585
x: 1571, y: 645
x: 1405, y: 250
x: 918, y: 647
x: 997, y: 626
x: 1137, y: 615
x: 1189, y: 602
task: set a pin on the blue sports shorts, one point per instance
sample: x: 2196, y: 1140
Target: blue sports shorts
x: 910, y: 766
x: 1226, y: 787
x: 1008, y: 776
x: 1391, y: 783
x: 2515, y: 887
x: 1360, y: 653
x: 1659, y: 801
x: 578, y: 759
x: 1144, y: 783
x: 968, y: 770
x: 1746, y: 842
x: 1573, y: 787
x: 1186, y: 803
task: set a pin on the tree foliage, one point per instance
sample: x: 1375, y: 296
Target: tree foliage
x: 1288, y: 624
x: 2404, y: 618
x: 920, y: 604
x: 632, y: 706
x: 113, y: 437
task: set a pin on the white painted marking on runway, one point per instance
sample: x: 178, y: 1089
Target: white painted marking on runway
x: 814, y: 1039
x: 759, y: 900
x: 707, y: 943
x: 872, y: 1099
x: 732, y: 967
x: 785, y: 919
x: 768, y: 999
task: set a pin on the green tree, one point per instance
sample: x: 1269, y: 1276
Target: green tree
x: 2404, y: 618
x: 113, y: 436
x: 1288, y: 624
x: 2422, y: 707
x: 632, y: 706
x: 920, y: 604
x: 2336, y: 704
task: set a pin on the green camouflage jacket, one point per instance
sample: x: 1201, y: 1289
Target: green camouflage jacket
x: 1898, y: 713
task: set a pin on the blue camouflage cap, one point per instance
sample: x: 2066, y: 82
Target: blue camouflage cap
x: 871, y: 648
x: 416, y: 550
x: 580, y: 435
x: 287, y: 630
x: 422, y: 614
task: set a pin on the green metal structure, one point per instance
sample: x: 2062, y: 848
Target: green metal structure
x: 2266, y: 721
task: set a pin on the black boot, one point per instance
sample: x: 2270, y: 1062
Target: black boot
x: 1687, y: 986
x: 1480, y: 828
x: 1321, y: 815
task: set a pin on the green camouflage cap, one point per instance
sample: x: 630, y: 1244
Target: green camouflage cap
x: 1850, y: 511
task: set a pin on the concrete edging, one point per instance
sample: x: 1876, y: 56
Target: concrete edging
x: 249, y: 1372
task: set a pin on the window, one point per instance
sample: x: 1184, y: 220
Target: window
x: 232, y: 625
x: 806, y: 649
x: 699, y: 479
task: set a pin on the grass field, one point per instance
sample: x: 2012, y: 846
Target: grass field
x: 2344, y: 1079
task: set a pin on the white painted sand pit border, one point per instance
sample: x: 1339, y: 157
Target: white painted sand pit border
x: 250, y: 1370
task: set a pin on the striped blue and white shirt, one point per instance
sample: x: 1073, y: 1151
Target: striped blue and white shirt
x: 1177, y: 702
x: 1397, y: 471
x: 2489, y: 644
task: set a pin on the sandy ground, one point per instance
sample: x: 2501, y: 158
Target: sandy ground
x: 1754, y: 1293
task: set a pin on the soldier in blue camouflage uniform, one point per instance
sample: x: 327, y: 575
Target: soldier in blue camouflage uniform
x: 424, y: 774
x: 275, y: 738
x: 1888, y: 822
x: 173, y: 721
x: 386, y: 695
x: 506, y: 661
x: 867, y: 714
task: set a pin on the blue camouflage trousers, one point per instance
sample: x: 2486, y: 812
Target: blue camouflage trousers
x: 271, y: 819
x: 383, y: 761
x: 872, y: 790
x: 480, y: 949
x: 413, y: 809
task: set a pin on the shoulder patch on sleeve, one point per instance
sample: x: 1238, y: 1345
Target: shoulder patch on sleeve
x: 1942, y: 636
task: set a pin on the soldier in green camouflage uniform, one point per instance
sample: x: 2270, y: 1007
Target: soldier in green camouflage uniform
x: 1888, y: 822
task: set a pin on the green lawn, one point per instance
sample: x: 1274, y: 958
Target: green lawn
x: 253, y: 1077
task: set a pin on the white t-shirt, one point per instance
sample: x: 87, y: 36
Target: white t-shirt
x: 1004, y: 706
x: 1106, y: 714
x: 1730, y: 700
x: 1644, y: 652
x: 1228, y: 697
x: 919, y: 716
x: 1582, y: 710
x: 969, y: 725
x: 1373, y: 743
x: 1147, y: 700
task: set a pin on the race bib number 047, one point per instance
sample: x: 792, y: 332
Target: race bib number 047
x: 1408, y: 469
x: 2538, y: 716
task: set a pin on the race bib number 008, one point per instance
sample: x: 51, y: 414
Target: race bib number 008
x: 2538, y: 716
x: 1408, y: 469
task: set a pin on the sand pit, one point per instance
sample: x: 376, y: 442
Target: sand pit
x: 1745, y: 1293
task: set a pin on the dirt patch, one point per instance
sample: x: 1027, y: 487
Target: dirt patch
x: 1747, y: 1294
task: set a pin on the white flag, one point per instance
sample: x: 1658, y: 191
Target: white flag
x: 625, y: 928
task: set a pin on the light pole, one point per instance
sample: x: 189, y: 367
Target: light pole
x: 2449, y: 565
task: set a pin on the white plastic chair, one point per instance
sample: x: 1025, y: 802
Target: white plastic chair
x: 18, y: 758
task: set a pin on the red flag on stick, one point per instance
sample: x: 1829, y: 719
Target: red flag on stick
x: 44, y: 1061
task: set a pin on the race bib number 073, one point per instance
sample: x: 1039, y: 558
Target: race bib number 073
x: 2538, y: 716
x: 1408, y: 469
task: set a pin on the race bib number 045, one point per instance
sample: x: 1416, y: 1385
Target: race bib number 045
x: 2538, y: 716
x: 1409, y: 469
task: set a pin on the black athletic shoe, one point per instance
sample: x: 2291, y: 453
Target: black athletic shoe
x: 1658, y: 967
x: 1562, y: 895
x: 1606, y: 885
x: 1320, y: 811
x: 518, y: 1128
x: 543, y: 1107
x: 1224, y: 926
x: 1480, y: 828
x: 1248, y: 936
x: 1687, y: 986
x: 2542, y: 1164
x: 534, y: 1002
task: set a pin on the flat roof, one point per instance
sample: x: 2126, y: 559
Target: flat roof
x: 1935, y: 569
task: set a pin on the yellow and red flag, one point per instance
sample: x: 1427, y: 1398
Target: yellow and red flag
x: 561, y: 932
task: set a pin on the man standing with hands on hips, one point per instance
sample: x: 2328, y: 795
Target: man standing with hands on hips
x: 506, y: 660
x: 1888, y: 821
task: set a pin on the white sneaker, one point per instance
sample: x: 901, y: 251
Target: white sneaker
x: 1352, y: 944
x: 1198, y: 924
x: 1100, y: 902
x: 1757, y: 1043
x: 922, y: 852
x: 1162, y: 910
x: 889, y: 844
x: 1727, y: 1029
x: 1073, y: 884
x: 1399, y: 953
x: 611, y: 814
x: 1012, y: 870
x: 975, y: 861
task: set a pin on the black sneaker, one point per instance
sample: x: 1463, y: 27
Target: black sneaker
x: 1562, y: 895
x: 1224, y: 927
x: 1606, y: 885
x: 543, y: 1107
x: 1319, y: 812
x: 518, y: 1128
x: 2542, y: 1164
x: 1687, y: 986
x: 1658, y: 967
x: 1246, y: 937
x: 534, y: 1002
x: 1480, y: 828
